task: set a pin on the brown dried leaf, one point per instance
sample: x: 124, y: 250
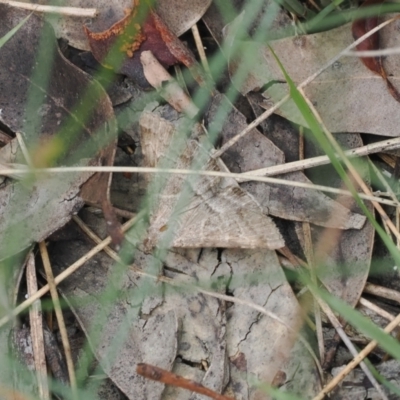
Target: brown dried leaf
x: 179, y: 17
x: 33, y: 212
x: 135, y: 36
x: 348, y: 96
x: 141, y: 30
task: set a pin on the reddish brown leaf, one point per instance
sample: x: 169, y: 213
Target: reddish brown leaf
x: 141, y: 30
x: 374, y: 64
x: 138, y: 31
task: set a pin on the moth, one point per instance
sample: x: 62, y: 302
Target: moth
x: 198, y: 211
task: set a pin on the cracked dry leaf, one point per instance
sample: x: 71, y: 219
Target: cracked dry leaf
x: 33, y: 210
x: 257, y: 151
x: 161, y: 326
x: 197, y: 332
x: 120, y: 332
x: 215, y: 212
x: 257, y: 346
x: 348, y: 96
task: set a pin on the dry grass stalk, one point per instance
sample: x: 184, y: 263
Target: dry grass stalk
x: 59, y: 315
x: 238, y: 177
x: 36, y: 322
x: 67, y: 11
x: 200, y: 48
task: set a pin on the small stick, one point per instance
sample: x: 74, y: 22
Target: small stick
x: 377, y: 310
x: 169, y: 378
x: 200, y: 48
x: 59, y: 315
x: 373, y: 53
x: 68, y: 11
x: 381, y: 291
x: 384, y: 145
x: 36, y: 322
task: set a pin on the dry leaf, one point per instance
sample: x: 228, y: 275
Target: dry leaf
x: 217, y: 16
x: 257, y: 151
x: 203, y: 335
x: 136, y: 36
x: 40, y: 209
x: 258, y: 345
x: 141, y: 30
x: 179, y: 16
x: 348, y: 96
x: 218, y: 214
x: 153, y: 330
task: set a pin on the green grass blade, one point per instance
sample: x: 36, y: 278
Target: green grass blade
x: 13, y: 31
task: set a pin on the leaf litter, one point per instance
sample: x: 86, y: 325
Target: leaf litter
x: 224, y: 346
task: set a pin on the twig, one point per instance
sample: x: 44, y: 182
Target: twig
x: 384, y: 145
x: 60, y: 318
x: 373, y: 53
x: 68, y: 11
x: 36, y: 322
x: 200, y: 48
x: 377, y: 310
x: 303, y: 84
x: 381, y: 291
x: 169, y: 378
x: 13, y: 171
